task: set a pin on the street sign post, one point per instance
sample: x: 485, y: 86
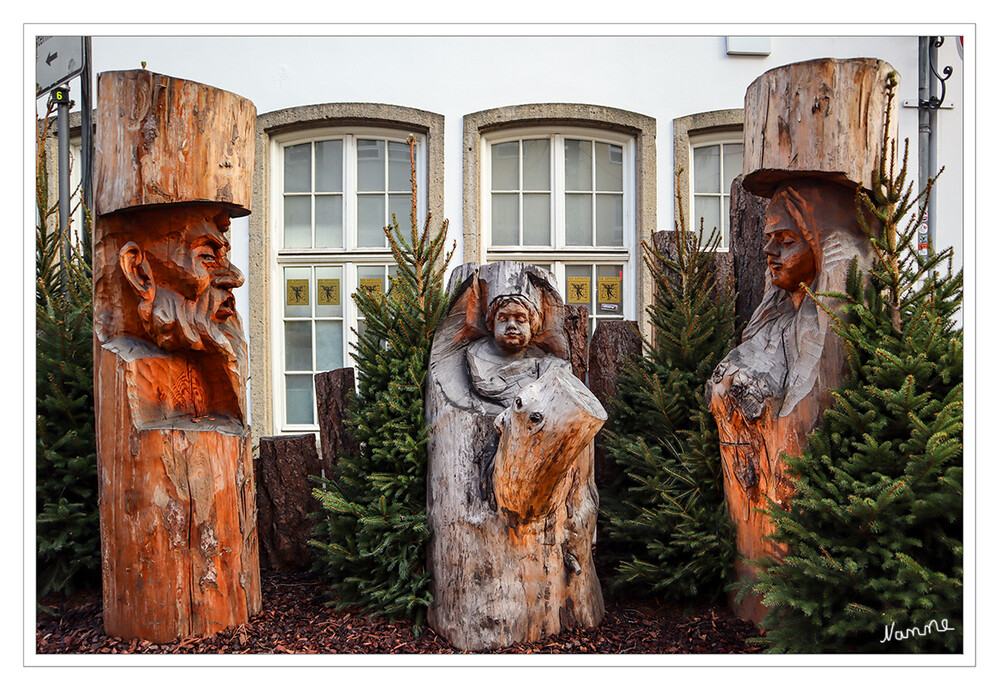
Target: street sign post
x: 57, y: 60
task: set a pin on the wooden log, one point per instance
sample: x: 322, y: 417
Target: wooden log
x: 509, y: 564
x: 747, y: 218
x: 333, y: 390
x: 577, y: 332
x: 822, y: 118
x: 177, y: 498
x: 284, y: 500
x: 613, y: 344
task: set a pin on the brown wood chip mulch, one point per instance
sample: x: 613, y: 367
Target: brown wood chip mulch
x: 296, y: 620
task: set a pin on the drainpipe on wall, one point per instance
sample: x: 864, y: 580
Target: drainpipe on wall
x: 929, y: 103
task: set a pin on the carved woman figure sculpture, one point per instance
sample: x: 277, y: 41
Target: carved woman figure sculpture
x: 769, y: 392
x: 511, y: 498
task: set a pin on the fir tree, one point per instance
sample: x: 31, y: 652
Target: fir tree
x: 666, y: 525
x: 874, y: 532
x: 67, y: 525
x: 373, y: 532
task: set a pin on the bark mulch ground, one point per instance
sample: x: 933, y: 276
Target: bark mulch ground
x: 296, y: 620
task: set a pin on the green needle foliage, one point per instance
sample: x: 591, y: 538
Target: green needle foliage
x: 67, y: 527
x: 665, y: 521
x: 875, y: 530
x: 372, y: 531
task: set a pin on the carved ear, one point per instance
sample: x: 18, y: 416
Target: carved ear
x: 136, y: 269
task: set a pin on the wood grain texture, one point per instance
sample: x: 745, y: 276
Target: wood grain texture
x: 519, y: 574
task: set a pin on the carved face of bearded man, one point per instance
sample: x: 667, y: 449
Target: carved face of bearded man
x: 788, y: 254
x: 184, y: 279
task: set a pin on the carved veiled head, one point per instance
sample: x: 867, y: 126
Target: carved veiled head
x: 790, y: 240
x: 513, y: 321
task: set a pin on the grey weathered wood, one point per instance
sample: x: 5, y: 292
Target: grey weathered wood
x: 333, y: 391
x: 510, y: 558
x: 577, y: 332
x: 284, y: 500
x: 612, y: 345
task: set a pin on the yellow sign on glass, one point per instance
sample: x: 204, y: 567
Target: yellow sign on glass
x: 372, y: 285
x: 329, y: 291
x: 577, y: 290
x: 297, y: 293
x: 609, y: 290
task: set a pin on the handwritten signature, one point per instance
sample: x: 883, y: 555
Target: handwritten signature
x: 932, y: 626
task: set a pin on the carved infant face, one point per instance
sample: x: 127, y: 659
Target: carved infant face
x: 789, y: 256
x: 185, y: 281
x: 512, y: 327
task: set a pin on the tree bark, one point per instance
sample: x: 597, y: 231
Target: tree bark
x: 748, y: 216
x: 284, y: 500
x: 333, y: 391
x: 612, y: 345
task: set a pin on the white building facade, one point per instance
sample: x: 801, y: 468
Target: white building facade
x: 558, y: 150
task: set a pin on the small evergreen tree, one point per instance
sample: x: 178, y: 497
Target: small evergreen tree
x: 67, y: 526
x: 372, y: 532
x: 666, y: 526
x: 874, y: 532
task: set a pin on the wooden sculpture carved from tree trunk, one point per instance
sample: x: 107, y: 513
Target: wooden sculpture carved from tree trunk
x: 177, y: 501
x: 511, y: 497
x: 812, y: 139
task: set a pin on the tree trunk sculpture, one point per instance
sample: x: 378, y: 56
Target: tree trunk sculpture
x: 177, y: 501
x: 511, y: 496
x: 811, y: 142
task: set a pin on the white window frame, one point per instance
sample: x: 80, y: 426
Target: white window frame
x: 560, y: 255
x: 710, y: 139
x: 350, y: 257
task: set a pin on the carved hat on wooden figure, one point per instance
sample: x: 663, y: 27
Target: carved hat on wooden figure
x: 819, y: 118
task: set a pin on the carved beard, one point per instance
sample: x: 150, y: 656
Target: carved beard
x: 175, y: 323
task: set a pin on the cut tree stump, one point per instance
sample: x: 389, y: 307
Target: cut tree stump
x: 513, y: 513
x: 333, y: 391
x: 177, y: 499
x: 612, y: 345
x: 284, y: 500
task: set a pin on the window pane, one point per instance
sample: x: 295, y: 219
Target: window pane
x: 329, y: 345
x: 401, y: 205
x: 578, y: 165
x: 329, y: 291
x: 610, y: 220
x: 537, y: 170
x: 537, y: 215
x: 370, y: 165
x: 506, y: 220
x: 610, y: 290
x: 725, y: 222
x: 578, y: 220
x: 329, y: 221
x: 706, y: 169
x: 297, y: 222
x: 732, y: 165
x: 370, y: 220
x: 298, y: 168
x: 298, y: 398
x: 399, y: 170
x: 706, y: 207
x: 578, y: 286
x: 298, y: 345
x: 297, y: 291
x: 610, y: 175
x: 329, y: 166
x: 504, y: 165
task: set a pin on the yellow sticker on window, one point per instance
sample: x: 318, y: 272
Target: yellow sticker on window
x: 577, y: 290
x: 609, y: 290
x: 329, y: 291
x: 297, y: 292
x: 372, y: 285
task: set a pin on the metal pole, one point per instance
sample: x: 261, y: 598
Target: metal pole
x: 932, y: 168
x: 925, y: 130
x: 87, y: 136
x: 62, y: 123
